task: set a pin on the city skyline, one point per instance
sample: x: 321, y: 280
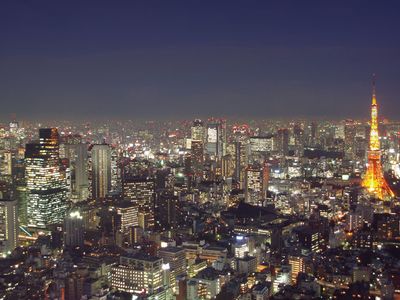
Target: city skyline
x: 148, y: 61
x: 199, y: 150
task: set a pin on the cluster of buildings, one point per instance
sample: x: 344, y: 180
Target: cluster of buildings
x: 203, y: 209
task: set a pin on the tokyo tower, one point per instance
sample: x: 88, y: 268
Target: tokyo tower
x: 374, y: 180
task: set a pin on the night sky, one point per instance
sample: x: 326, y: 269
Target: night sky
x: 182, y: 59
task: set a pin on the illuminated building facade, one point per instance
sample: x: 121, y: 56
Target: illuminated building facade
x: 216, y: 139
x: 374, y: 180
x: 101, y: 170
x: 198, y: 131
x: 257, y: 178
x: 127, y: 214
x: 175, y: 259
x: 77, y: 155
x: 262, y: 144
x: 138, y: 274
x: 46, y: 187
x: 297, y: 265
x: 197, y: 157
x: 8, y: 227
x: 140, y: 191
x: 166, y: 211
x: 282, y: 141
x: 73, y: 229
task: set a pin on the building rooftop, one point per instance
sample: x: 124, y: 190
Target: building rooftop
x: 171, y: 249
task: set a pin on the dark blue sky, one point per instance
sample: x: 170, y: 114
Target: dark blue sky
x: 154, y: 59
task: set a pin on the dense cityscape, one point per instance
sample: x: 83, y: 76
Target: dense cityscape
x: 199, y: 150
x: 200, y: 209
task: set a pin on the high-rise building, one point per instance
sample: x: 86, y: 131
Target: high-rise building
x: 46, y: 187
x: 175, y: 257
x: 8, y: 226
x: 197, y: 157
x: 241, y: 157
x: 198, y: 131
x: 140, y: 191
x: 101, y: 170
x: 283, y: 141
x: 256, y: 183
x: 298, y: 135
x: 263, y: 144
x: 127, y: 213
x: 73, y: 229
x: 77, y: 155
x: 349, y: 138
x: 313, y: 134
x: 374, y: 180
x: 166, y: 210
x: 216, y: 139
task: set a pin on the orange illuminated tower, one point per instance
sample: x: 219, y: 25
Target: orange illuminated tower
x: 374, y: 180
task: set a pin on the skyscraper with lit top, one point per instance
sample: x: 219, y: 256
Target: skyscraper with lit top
x: 46, y: 187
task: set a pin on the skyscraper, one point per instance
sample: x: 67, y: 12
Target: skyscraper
x: 8, y: 226
x: 216, y: 139
x: 166, y: 208
x: 256, y: 187
x: 374, y: 180
x: 283, y: 141
x: 197, y: 157
x: 349, y: 138
x: 101, y: 170
x: 140, y: 191
x: 78, y: 156
x: 198, y: 131
x: 46, y: 188
x: 73, y: 229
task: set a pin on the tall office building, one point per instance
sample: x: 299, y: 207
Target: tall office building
x: 256, y: 183
x: 140, y: 191
x: 197, y: 157
x: 73, y: 229
x: 166, y: 210
x: 241, y: 157
x: 8, y: 226
x: 100, y: 170
x: 127, y: 216
x: 282, y: 142
x: 45, y: 185
x: 349, y: 138
x: 313, y: 135
x: 198, y: 131
x: 298, y: 135
x: 77, y: 155
x: 215, y: 139
x: 175, y: 259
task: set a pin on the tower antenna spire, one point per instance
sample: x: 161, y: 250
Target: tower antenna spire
x: 373, y: 89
